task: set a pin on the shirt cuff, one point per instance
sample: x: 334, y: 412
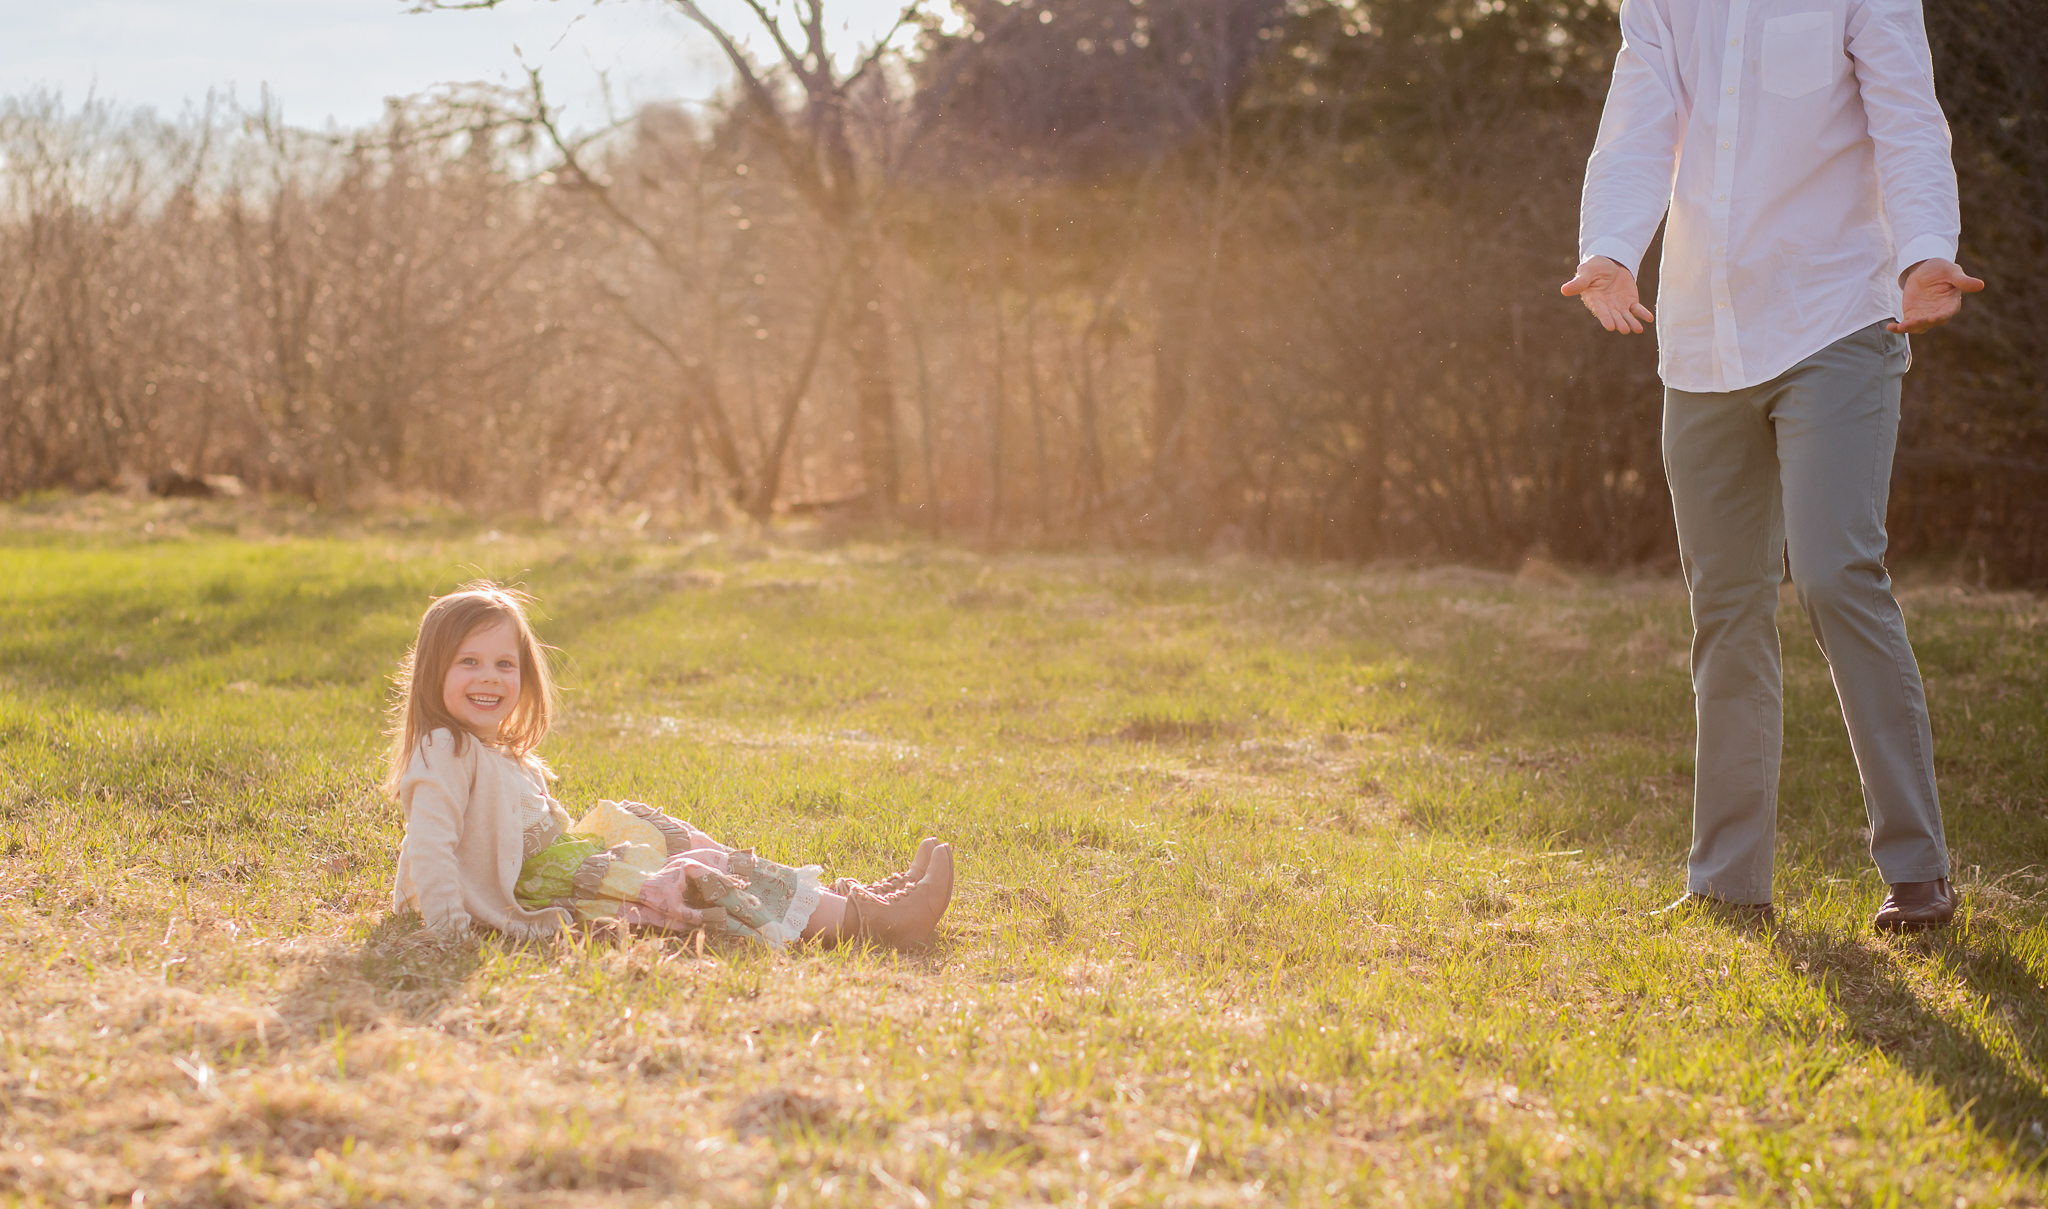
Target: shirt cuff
x: 1616, y: 250
x: 1926, y: 247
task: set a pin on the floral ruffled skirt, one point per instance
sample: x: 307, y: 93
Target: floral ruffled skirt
x: 630, y: 862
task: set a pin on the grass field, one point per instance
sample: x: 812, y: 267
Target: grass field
x: 1279, y: 884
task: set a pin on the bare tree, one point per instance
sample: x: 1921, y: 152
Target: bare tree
x: 808, y: 108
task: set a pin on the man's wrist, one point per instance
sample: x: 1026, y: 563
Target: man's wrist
x: 1921, y: 248
x: 1612, y: 249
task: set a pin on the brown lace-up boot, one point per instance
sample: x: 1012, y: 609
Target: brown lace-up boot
x: 845, y: 886
x: 904, y: 918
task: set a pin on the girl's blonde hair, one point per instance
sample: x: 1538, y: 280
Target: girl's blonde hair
x: 418, y: 710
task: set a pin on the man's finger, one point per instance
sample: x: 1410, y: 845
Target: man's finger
x: 1925, y: 322
x: 1576, y: 286
x: 1643, y: 313
x: 1613, y: 317
x: 1966, y: 283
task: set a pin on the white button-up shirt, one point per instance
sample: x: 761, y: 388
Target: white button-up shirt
x: 1805, y: 163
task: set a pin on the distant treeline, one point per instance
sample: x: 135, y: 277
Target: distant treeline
x: 1174, y: 273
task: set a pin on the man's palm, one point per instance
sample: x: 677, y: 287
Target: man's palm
x: 1609, y: 291
x: 1934, y: 293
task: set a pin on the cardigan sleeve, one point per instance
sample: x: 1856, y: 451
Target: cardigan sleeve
x: 436, y: 791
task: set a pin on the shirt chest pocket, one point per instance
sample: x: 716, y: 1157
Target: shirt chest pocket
x: 1799, y: 53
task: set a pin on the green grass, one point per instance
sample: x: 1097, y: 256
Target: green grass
x: 1278, y: 885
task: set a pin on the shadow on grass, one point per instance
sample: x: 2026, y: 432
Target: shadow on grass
x: 1993, y: 1071
x: 399, y: 972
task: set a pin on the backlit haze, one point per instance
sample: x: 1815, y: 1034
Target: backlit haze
x: 334, y: 61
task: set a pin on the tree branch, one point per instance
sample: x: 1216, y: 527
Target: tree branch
x: 803, y: 169
x: 881, y: 46
x: 574, y: 166
x: 724, y: 446
x: 771, y: 468
x: 767, y: 20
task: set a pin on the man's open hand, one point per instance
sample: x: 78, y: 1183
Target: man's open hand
x: 1934, y: 293
x: 1609, y: 291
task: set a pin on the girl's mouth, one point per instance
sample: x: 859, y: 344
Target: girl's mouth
x: 484, y: 702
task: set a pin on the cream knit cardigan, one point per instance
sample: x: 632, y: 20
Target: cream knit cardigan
x: 464, y: 842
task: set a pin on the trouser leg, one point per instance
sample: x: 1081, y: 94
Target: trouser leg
x: 1721, y: 461
x: 1837, y: 419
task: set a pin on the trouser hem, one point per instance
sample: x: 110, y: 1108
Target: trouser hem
x: 1745, y: 898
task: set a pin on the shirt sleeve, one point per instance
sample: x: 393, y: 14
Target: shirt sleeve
x: 435, y: 792
x: 1895, y: 76
x: 1635, y: 157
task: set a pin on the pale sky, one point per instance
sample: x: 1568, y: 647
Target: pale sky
x: 336, y: 60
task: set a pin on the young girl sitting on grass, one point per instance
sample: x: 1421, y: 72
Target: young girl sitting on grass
x: 485, y: 843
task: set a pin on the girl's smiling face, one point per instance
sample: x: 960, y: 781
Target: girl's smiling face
x: 482, y: 684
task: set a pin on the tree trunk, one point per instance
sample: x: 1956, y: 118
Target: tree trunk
x: 1042, y: 467
x: 1170, y: 369
x: 1094, y: 476
x: 924, y: 418
x: 995, y: 425
x: 867, y: 342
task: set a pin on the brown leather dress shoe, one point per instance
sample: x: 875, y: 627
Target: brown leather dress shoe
x: 1745, y: 914
x: 1914, y: 906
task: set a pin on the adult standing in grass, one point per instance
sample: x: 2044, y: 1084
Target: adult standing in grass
x: 1813, y: 224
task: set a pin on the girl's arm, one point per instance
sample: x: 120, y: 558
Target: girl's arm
x: 435, y: 792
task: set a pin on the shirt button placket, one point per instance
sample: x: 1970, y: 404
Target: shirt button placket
x: 1727, y: 126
